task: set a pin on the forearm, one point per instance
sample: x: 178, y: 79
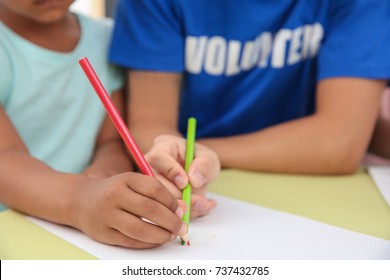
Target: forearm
x: 112, y: 155
x: 153, y: 105
x: 306, y: 146
x: 145, y: 132
x: 32, y: 187
x: 331, y: 141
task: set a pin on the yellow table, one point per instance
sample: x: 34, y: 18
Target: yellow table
x: 350, y: 202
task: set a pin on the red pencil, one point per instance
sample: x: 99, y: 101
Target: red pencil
x: 115, y: 117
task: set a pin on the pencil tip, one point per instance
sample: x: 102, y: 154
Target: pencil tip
x: 188, y: 243
x: 183, y: 242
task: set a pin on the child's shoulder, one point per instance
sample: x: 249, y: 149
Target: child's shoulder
x: 96, y: 29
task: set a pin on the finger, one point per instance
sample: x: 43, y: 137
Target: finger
x: 153, y: 202
x: 156, y: 212
x: 200, y: 206
x: 204, y: 168
x: 175, y: 191
x: 183, y: 205
x: 117, y: 238
x: 150, y: 187
x: 169, y: 167
x: 138, y: 229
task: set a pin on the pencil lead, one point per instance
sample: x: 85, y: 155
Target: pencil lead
x: 188, y: 243
x: 184, y: 239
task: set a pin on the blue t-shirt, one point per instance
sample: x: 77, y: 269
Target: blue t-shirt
x: 251, y: 64
x: 49, y: 99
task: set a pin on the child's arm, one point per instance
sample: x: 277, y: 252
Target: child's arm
x: 331, y: 141
x: 108, y: 209
x: 110, y: 155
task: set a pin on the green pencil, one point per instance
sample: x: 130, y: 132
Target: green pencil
x: 190, y: 147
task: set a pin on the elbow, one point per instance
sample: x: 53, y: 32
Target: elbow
x: 346, y: 167
x: 345, y: 160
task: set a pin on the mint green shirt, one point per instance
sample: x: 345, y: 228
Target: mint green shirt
x: 49, y: 99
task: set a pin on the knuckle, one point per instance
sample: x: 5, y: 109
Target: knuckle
x: 155, y: 190
x: 171, y: 171
x: 150, y: 207
x: 153, y: 157
x: 110, y: 193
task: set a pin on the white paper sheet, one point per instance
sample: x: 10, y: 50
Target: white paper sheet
x: 236, y: 230
x: 381, y: 176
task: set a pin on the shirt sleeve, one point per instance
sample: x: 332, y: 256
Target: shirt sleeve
x: 357, y: 41
x: 148, y: 36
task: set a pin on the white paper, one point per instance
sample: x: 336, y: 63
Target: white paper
x: 381, y: 176
x: 236, y: 230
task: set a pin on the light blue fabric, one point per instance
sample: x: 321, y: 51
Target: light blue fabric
x: 50, y: 100
x: 2, y: 207
x: 252, y: 64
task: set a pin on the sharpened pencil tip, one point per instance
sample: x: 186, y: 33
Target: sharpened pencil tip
x: 184, y: 240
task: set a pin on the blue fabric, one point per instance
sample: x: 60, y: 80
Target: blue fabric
x: 251, y: 64
x: 49, y: 99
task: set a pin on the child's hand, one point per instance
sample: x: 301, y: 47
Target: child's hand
x: 167, y: 157
x: 111, y: 211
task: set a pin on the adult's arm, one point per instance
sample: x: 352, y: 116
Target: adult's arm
x: 331, y: 141
x: 380, y: 144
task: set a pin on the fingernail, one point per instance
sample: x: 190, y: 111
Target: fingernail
x: 179, y: 212
x: 198, y: 206
x: 180, y: 182
x: 183, y: 229
x: 199, y: 179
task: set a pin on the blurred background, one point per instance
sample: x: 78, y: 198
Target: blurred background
x: 94, y: 8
